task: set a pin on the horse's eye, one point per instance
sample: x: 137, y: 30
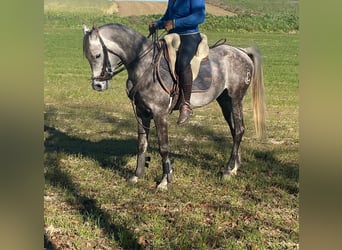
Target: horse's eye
x: 97, y: 56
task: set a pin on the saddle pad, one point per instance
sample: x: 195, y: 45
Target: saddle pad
x: 201, y: 83
x: 203, y: 79
x: 173, y: 42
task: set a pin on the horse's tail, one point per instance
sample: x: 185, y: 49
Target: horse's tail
x: 258, y: 95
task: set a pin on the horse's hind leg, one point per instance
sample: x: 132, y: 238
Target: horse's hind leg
x: 232, y: 111
x: 225, y: 102
x: 143, y: 132
x: 239, y: 130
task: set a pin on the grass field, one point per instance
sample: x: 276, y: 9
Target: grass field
x: 259, y: 7
x: 91, y: 144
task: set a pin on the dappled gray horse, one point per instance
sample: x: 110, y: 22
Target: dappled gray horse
x: 233, y: 71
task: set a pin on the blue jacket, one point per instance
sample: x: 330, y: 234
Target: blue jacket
x: 186, y: 15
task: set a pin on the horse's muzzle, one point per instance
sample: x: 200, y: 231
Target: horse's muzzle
x: 100, y: 85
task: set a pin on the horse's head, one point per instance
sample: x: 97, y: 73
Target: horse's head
x: 102, y: 63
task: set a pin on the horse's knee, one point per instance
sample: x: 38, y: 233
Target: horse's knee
x: 239, y: 132
x: 164, y: 151
x: 142, y: 147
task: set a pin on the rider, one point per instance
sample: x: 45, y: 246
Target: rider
x: 183, y: 17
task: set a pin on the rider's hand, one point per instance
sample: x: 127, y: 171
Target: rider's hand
x: 152, y: 27
x: 168, y: 25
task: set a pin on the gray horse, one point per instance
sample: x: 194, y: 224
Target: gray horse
x: 233, y: 70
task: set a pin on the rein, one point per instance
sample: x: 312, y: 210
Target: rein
x: 132, y: 92
x: 155, y: 47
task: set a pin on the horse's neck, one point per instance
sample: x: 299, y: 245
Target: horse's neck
x: 135, y: 55
x: 138, y: 59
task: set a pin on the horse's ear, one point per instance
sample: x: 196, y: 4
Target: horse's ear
x: 95, y: 27
x: 85, y: 29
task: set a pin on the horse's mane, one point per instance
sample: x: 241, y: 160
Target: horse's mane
x: 86, y: 42
x: 118, y: 27
x: 121, y: 28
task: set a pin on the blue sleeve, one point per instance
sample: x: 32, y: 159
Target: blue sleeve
x: 165, y: 17
x: 196, y: 17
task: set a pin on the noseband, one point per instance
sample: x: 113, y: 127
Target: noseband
x: 106, y: 72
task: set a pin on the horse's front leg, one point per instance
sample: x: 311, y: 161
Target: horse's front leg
x: 143, y: 132
x: 163, y: 140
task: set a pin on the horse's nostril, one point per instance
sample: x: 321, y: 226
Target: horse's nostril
x: 97, y: 86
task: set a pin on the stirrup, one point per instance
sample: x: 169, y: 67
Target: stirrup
x: 184, y: 113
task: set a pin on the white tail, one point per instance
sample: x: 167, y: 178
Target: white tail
x: 258, y: 95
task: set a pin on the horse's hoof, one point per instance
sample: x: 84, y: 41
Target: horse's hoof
x: 162, y: 187
x: 163, y: 184
x: 228, y: 175
x: 133, y: 179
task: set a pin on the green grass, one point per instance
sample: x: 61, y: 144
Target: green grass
x: 91, y: 144
x: 276, y: 16
x: 77, y: 6
x: 259, y: 7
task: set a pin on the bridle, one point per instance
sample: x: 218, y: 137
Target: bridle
x: 106, y: 72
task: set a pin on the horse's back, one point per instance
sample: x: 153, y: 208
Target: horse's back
x: 233, y: 55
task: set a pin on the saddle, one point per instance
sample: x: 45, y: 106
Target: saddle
x: 200, y: 63
x: 173, y: 41
x: 165, y: 68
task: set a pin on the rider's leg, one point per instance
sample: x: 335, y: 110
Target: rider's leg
x: 188, y: 48
x: 185, y: 80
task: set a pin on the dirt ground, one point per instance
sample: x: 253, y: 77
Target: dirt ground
x: 145, y: 8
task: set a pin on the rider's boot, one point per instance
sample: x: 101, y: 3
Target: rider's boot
x: 185, y: 83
